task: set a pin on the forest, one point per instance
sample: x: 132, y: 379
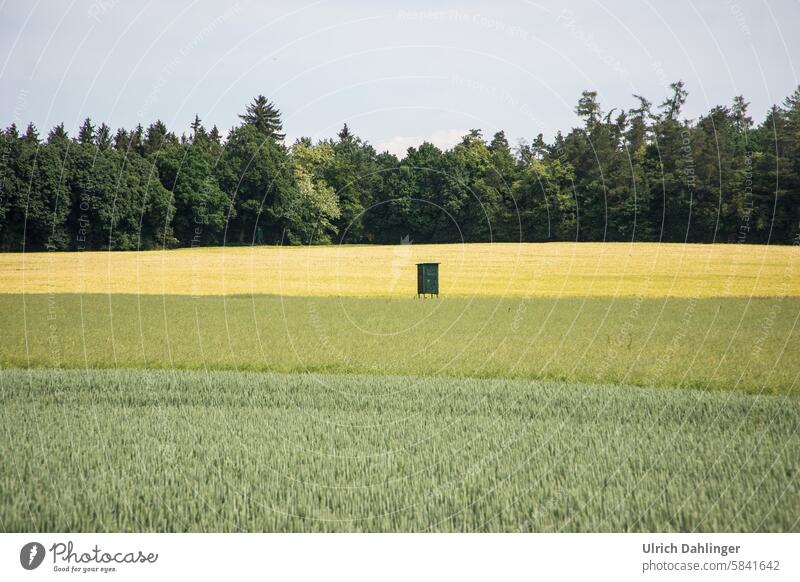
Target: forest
x: 646, y: 174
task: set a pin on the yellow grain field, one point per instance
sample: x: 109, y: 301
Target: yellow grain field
x: 521, y: 270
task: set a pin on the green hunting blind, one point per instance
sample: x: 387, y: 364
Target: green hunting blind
x: 427, y: 279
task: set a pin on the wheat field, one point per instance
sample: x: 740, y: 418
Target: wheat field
x: 501, y: 269
x: 143, y: 450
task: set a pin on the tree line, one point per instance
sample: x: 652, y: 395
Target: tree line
x: 642, y: 174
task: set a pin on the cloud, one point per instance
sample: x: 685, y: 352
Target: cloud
x: 443, y: 139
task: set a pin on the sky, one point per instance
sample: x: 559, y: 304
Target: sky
x: 398, y: 73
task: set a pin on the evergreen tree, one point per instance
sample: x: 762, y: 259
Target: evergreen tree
x: 214, y: 136
x: 57, y: 135
x: 122, y: 140
x: 195, y: 125
x: 671, y: 107
x: 103, y: 139
x: 136, y: 143
x: 672, y: 167
x: 31, y: 135
x: 86, y: 132
x: 156, y: 136
x: 345, y: 135
x: 589, y: 109
x: 265, y: 117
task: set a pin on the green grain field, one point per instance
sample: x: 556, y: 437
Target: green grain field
x: 748, y: 345
x: 121, y: 450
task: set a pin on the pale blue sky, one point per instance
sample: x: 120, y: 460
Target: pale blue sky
x: 396, y: 72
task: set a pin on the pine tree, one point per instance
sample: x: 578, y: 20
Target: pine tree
x: 199, y: 134
x: 672, y: 106
x: 86, y: 132
x: 265, y: 117
x: 136, y: 143
x: 121, y: 140
x: 103, y: 138
x: 589, y: 109
x: 57, y: 134
x: 156, y: 137
x: 214, y: 135
x: 196, y: 125
x: 639, y: 127
x: 345, y: 135
x: 31, y: 135
x: 741, y: 121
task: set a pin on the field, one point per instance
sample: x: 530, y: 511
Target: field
x: 717, y: 344
x: 474, y: 270
x: 566, y: 387
x: 142, y: 450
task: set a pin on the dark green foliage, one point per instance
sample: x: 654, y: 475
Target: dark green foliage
x: 255, y: 172
x: 80, y: 195
x: 86, y: 132
x: 352, y: 176
x: 156, y: 137
x: 200, y: 206
x: 57, y: 135
x: 103, y: 138
x: 643, y: 174
x: 117, y: 201
x: 35, y: 201
x: 265, y: 117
